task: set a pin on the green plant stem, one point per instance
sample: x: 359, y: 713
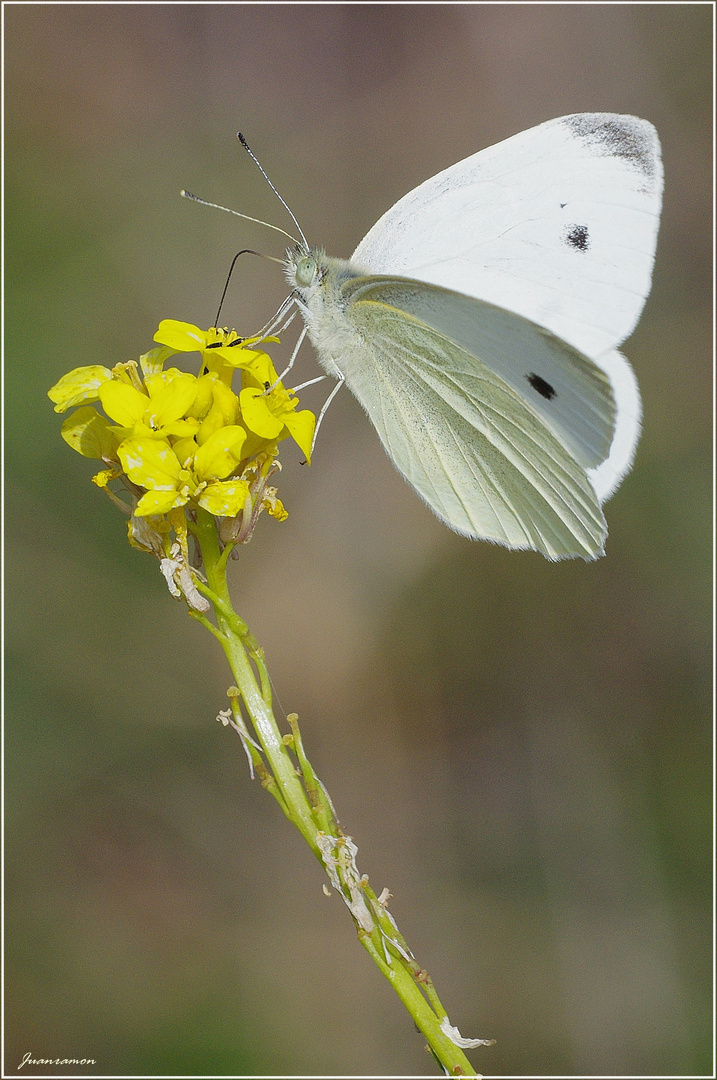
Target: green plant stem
x: 306, y: 803
x: 261, y: 715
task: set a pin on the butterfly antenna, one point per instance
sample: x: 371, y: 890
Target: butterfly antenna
x: 245, y: 251
x: 256, y: 161
x: 257, y: 221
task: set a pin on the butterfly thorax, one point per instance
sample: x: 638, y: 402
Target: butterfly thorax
x: 317, y: 280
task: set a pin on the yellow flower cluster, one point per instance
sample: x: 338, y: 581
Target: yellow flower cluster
x: 180, y: 440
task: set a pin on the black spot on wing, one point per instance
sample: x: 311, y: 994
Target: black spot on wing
x: 577, y: 237
x: 544, y: 388
x: 626, y: 137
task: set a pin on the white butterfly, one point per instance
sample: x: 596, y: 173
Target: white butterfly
x: 477, y: 324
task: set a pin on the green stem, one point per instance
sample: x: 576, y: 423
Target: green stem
x: 320, y: 802
x: 239, y: 627
x: 261, y: 715
x: 265, y: 777
x: 446, y: 1052
x: 309, y: 807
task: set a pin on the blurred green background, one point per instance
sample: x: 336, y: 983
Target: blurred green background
x: 521, y: 750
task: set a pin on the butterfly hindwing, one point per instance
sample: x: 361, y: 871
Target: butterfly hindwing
x: 571, y: 394
x: 471, y: 447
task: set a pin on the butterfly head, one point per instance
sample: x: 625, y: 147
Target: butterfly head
x: 305, y: 269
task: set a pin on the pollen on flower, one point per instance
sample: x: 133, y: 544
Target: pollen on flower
x: 179, y: 444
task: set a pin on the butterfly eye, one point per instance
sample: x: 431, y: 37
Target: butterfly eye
x: 305, y: 270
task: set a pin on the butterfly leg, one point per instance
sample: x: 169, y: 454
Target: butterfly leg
x: 276, y: 318
x: 290, y: 365
x: 311, y: 382
x: 285, y: 325
x: 342, y: 378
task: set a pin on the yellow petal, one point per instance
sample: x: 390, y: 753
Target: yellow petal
x: 222, y: 413
x: 121, y: 402
x: 80, y: 384
x: 226, y: 401
x: 301, y: 425
x: 158, y: 502
x: 257, y: 415
x: 153, y: 361
x: 89, y: 434
x: 225, y: 498
x: 180, y: 336
x: 225, y: 354
x: 260, y: 370
x: 220, y: 454
x: 182, y: 429
x: 273, y: 506
x: 212, y: 422
x: 204, y: 399
x: 252, y: 340
x: 256, y: 445
x: 151, y: 463
x: 170, y: 399
x: 185, y: 449
x: 103, y: 477
x: 237, y: 357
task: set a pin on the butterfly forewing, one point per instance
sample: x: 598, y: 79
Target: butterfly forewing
x: 570, y: 394
x: 473, y: 449
x: 558, y: 223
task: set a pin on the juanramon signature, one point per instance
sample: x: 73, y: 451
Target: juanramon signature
x: 30, y: 1060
